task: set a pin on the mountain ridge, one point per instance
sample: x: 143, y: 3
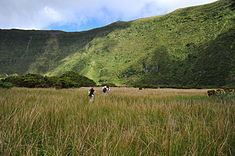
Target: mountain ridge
x: 150, y: 51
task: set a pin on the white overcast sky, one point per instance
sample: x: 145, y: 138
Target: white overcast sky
x: 73, y: 15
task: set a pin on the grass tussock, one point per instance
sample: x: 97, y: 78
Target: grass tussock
x: 124, y: 122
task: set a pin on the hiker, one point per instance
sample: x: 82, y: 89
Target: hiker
x: 105, y: 89
x: 108, y: 88
x: 91, y: 94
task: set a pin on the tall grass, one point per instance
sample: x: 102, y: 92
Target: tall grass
x: 124, y: 122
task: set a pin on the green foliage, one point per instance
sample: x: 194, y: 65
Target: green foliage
x: 6, y: 85
x: 16, y: 80
x: 28, y: 80
x: 215, y: 60
x: 189, y: 48
x: 226, y: 96
x: 33, y: 81
x: 76, y: 80
x: 222, y: 94
x: 67, y: 80
x: 108, y: 84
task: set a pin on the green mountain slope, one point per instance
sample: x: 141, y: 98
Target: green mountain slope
x: 191, y: 47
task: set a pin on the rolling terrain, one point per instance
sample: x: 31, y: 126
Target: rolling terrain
x: 192, y: 47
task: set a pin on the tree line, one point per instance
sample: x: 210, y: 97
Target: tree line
x: 67, y: 80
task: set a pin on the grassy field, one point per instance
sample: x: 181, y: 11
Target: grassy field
x: 127, y: 121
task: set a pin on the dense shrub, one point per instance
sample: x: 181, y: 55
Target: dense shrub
x: 76, y: 80
x: 109, y: 84
x: 16, y: 80
x: 28, y: 80
x: 222, y: 94
x: 52, y: 81
x: 67, y: 80
x: 6, y: 85
x: 34, y: 81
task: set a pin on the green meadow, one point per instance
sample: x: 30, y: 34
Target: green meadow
x: 126, y: 121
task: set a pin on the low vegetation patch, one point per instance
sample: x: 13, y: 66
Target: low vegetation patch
x: 67, y: 80
x: 6, y: 85
x: 222, y: 94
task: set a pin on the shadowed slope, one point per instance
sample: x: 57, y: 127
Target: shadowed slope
x: 151, y: 51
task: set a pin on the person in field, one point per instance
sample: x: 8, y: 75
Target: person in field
x: 105, y: 89
x: 91, y: 94
x: 108, y: 88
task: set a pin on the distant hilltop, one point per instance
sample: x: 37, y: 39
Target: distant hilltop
x: 191, y: 47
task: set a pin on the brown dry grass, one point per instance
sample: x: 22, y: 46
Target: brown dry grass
x: 126, y: 121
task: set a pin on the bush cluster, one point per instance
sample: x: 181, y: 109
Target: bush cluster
x: 6, y: 85
x: 222, y: 94
x: 67, y: 80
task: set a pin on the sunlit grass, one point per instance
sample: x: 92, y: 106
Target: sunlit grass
x: 127, y: 121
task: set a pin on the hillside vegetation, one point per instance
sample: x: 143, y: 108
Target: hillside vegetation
x: 192, y: 47
x: 66, y: 80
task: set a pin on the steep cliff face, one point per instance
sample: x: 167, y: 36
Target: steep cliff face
x: 192, y: 47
